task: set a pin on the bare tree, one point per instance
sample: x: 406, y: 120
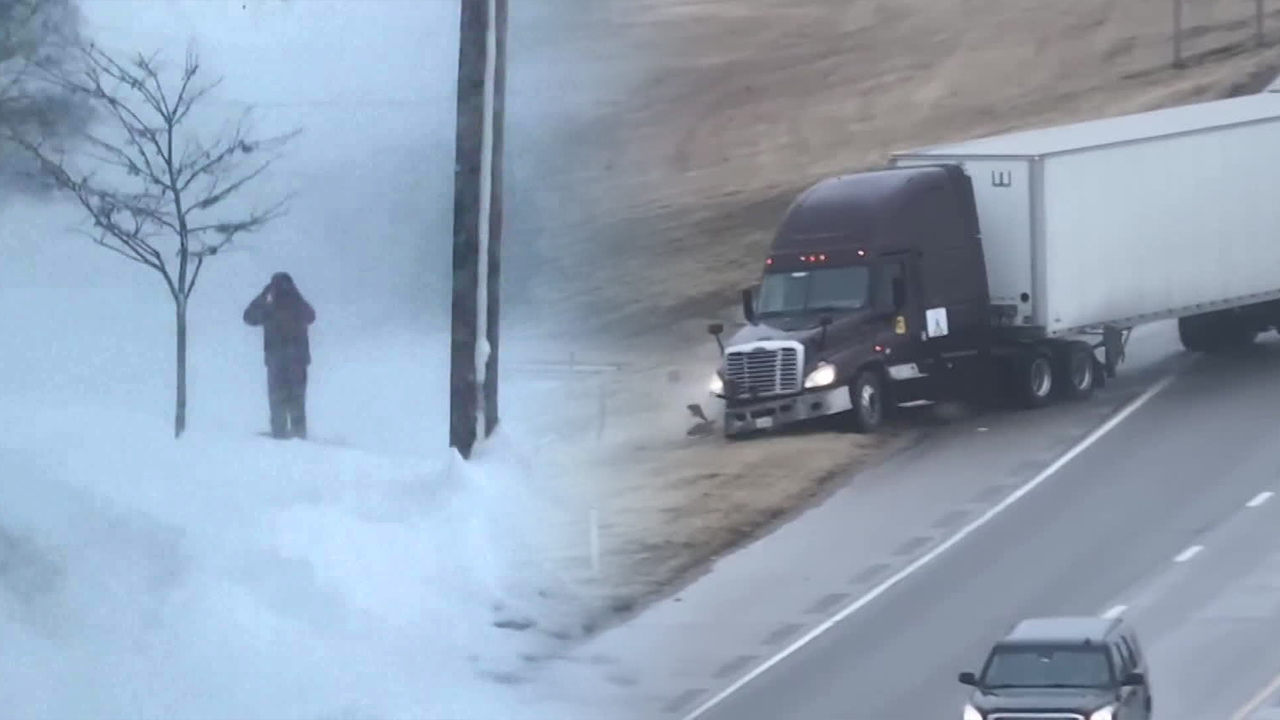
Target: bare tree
x: 164, y: 200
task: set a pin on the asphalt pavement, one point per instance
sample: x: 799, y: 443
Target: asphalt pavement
x: 1117, y: 525
x: 684, y: 648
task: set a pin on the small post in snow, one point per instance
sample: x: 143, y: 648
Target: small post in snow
x: 477, y: 210
x: 593, y: 540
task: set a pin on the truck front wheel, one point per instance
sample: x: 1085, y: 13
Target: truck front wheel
x: 1034, y: 379
x: 867, y: 395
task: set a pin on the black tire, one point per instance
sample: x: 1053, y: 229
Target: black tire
x: 1193, y: 333
x: 1075, y: 371
x: 1215, y: 332
x: 1034, y: 379
x: 868, y: 398
x: 1237, y: 335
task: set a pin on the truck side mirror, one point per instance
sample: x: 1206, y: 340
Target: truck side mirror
x: 748, y: 306
x: 715, y: 329
x: 968, y: 678
x: 899, y: 292
x: 1134, y: 679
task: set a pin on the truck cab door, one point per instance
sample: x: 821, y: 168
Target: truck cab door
x: 896, y: 295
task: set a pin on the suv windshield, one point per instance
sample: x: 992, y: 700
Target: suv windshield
x: 842, y: 288
x: 1012, y: 667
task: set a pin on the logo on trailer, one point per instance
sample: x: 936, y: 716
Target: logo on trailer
x: 1001, y: 178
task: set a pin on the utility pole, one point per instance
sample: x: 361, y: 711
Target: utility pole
x: 493, y: 281
x: 477, y: 223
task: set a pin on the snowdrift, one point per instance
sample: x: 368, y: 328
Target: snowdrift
x: 243, y: 577
x: 367, y: 572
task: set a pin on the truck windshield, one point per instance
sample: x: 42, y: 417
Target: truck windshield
x: 1038, y: 667
x: 841, y: 288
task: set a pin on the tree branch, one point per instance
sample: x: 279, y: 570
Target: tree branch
x: 148, y: 203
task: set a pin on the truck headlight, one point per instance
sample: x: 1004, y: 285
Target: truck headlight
x: 716, y: 386
x: 971, y: 713
x: 1105, y: 713
x: 821, y: 376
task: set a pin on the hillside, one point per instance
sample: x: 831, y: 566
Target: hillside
x: 682, y: 175
x: 743, y: 103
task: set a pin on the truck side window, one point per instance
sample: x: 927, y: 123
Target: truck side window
x: 1131, y: 650
x: 890, y: 274
x: 1121, y: 659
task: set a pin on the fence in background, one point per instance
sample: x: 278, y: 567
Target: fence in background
x: 1179, y: 29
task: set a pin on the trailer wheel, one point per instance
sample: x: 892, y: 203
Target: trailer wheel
x: 1034, y: 379
x: 1237, y: 335
x: 1215, y: 332
x: 1076, y: 366
x: 1193, y: 333
x: 867, y: 395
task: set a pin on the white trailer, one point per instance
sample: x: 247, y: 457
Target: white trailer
x: 1117, y: 222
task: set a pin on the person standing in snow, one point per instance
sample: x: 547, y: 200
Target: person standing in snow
x: 284, y: 316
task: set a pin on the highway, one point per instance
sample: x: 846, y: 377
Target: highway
x: 1164, y: 518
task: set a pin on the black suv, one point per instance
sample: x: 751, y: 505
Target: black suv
x: 1062, y: 668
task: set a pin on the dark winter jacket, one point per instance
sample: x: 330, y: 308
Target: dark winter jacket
x: 284, y: 316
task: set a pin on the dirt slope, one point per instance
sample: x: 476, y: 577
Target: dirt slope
x: 669, y: 198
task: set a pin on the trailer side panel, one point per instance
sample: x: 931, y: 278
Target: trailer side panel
x: 1161, y: 228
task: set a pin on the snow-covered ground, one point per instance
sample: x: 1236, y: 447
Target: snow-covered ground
x: 228, y: 575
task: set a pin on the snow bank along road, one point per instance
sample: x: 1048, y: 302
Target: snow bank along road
x: 1165, y: 516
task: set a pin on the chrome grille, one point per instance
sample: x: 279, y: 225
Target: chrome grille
x: 763, y: 371
x: 1035, y: 716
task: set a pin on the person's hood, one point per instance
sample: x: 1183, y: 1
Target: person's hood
x: 282, y: 279
x: 1084, y: 701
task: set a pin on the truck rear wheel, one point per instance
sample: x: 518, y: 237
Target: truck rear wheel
x: 867, y: 394
x: 1075, y: 366
x: 1034, y: 379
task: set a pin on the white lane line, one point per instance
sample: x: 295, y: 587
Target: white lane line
x: 1115, y: 612
x: 933, y: 554
x: 1259, y: 498
x: 1257, y: 700
x: 1189, y: 553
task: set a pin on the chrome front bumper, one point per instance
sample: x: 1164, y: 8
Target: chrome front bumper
x: 765, y: 414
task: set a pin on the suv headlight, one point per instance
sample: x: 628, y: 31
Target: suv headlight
x: 1105, y: 713
x: 971, y: 713
x: 821, y: 376
x: 716, y: 386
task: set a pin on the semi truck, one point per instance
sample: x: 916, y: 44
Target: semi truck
x: 1015, y: 263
